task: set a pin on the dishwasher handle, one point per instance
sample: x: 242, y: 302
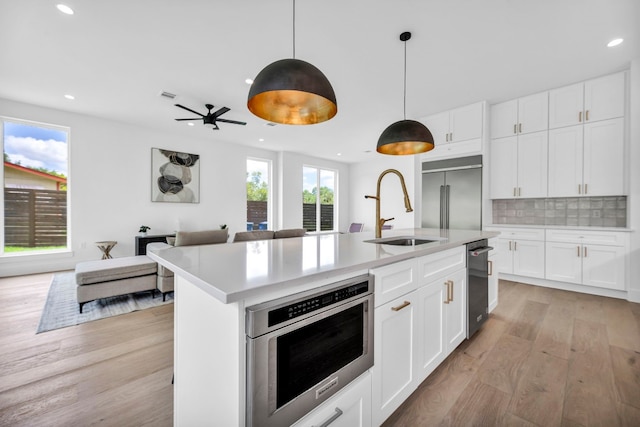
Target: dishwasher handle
x: 479, y: 251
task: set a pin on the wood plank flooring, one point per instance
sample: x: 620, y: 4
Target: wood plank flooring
x: 545, y: 358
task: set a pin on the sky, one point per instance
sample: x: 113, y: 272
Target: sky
x: 35, y: 146
x: 309, y: 178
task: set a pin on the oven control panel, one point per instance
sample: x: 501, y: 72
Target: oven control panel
x: 317, y: 302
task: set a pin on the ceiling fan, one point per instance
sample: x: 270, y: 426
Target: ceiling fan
x: 210, y: 118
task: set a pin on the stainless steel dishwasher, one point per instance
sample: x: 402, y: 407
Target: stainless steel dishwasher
x: 477, y: 285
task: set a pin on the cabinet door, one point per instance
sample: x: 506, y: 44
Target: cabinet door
x: 456, y: 311
x: 532, y: 165
x: 603, y: 266
x: 395, y: 338
x: 438, y: 125
x: 431, y: 328
x: 466, y: 122
x: 566, y: 106
x: 533, y: 113
x: 604, y: 97
x: 565, y: 161
x: 493, y: 279
x: 528, y: 258
x: 504, y: 119
x: 604, y: 158
x: 505, y: 256
x: 503, y: 173
x: 351, y: 407
x: 564, y: 262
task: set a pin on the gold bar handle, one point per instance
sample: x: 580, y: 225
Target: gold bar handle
x: 490, y: 268
x: 520, y: 127
x: 519, y: 191
x: 515, y: 128
x: 587, y: 116
x: 447, y: 285
x: 401, y: 306
x: 579, y: 188
x: 514, y: 192
x: 584, y: 251
x: 578, y: 247
x: 509, y: 244
x: 450, y: 289
x: 580, y: 116
x: 515, y: 246
x: 585, y: 189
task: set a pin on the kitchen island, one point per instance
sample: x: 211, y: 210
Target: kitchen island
x: 214, y: 284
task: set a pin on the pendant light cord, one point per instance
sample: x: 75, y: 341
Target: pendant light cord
x: 294, y: 29
x: 405, y: 80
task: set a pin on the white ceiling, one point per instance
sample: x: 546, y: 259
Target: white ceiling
x: 117, y: 56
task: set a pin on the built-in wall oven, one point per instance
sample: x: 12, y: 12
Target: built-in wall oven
x: 303, y: 349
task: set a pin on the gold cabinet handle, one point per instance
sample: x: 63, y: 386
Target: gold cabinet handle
x: 585, y: 189
x: 580, y: 116
x: 584, y: 251
x: 490, y: 267
x: 509, y: 244
x: 578, y: 247
x: 446, y: 137
x: 447, y: 285
x: 515, y: 246
x: 587, y: 116
x: 519, y: 191
x: 514, y: 191
x: 579, y: 188
x: 520, y: 127
x: 450, y: 282
x: 401, y: 306
x: 515, y: 128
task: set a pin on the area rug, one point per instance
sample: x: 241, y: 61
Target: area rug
x: 61, y: 308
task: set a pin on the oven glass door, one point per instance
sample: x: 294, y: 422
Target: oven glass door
x: 308, y: 355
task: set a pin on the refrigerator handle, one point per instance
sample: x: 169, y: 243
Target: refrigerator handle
x: 447, y: 190
x: 442, y: 206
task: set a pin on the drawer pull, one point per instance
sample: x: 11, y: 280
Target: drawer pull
x: 584, y: 251
x: 447, y: 285
x: 515, y: 128
x: 520, y: 127
x: 450, y: 282
x: 587, y: 116
x: 578, y: 247
x: 580, y: 116
x: 401, y: 306
x: 332, y: 418
x: 490, y: 267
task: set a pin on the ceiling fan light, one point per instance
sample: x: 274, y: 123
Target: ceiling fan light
x: 293, y: 92
x: 405, y: 137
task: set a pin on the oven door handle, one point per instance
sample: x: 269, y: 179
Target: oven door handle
x: 332, y: 419
x: 476, y: 252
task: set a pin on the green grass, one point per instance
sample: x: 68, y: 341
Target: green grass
x: 13, y: 249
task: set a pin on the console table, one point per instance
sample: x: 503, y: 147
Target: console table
x: 143, y: 241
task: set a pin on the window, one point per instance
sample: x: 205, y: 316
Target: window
x: 35, y: 187
x: 318, y: 199
x: 258, y: 194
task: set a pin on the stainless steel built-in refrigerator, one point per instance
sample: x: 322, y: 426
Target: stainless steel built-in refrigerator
x: 452, y: 193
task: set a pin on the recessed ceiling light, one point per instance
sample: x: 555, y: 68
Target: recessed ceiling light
x: 339, y: 154
x: 261, y: 139
x: 70, y: 96
x: 248, y: 81
x: 190, y: 124
x: 614, y: 42
x: 64, y: 9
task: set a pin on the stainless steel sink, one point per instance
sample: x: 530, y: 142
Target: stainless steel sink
x: 405, y: 240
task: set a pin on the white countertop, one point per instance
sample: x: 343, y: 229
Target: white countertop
x: 235, y: 271
x: 559, y: 227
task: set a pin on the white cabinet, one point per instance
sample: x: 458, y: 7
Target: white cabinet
x: 415, y: 332
x: 519, y: 166
x: 520, y: 116
x: 350, y: 407
x: 521, y: 252
x: 395, y: 343
x: 598, y: 99
x: 589, y: 258
x: 493, y: 274
x: 460, y: 124
x: 394, y: 280
x: 587, y: 160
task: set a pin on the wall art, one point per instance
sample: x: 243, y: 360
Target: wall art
x: 175, y: 176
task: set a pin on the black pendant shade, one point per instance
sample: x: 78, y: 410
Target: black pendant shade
x: 292, y: 92
x: 405, y: 137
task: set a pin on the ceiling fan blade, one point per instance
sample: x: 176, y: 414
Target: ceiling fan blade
x: 195, y: 118
x: 221, y: 111
x: 231, y: 121
x: 215, y: 127
x: 189, y: 109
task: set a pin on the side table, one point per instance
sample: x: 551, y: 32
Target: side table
x: 106, y: 247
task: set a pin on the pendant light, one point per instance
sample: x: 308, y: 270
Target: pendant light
x: 292, y: 92
x: 406, y: 136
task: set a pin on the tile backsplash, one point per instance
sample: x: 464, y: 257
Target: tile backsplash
x: 608, y: 211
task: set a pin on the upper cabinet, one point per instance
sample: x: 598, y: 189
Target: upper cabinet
x: 457, y: 125
x: 598, y: 99
x: 519, y: 116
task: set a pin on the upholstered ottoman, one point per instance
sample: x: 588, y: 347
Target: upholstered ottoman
x: 116, y: 276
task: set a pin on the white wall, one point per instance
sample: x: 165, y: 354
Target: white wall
x: 633, y: 207
x: 110, y: 186
x: 364, y: 178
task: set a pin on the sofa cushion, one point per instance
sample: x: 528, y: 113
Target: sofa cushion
x: 245, y: 236
x: 206, y: 237
x: 290, y: 232
x: 105, y: 270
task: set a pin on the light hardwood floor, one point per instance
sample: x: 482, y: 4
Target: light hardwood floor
x: 545, y: 357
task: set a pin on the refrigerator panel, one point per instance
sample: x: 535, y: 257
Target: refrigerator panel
x: 465, y: 198
x: 431, y: 183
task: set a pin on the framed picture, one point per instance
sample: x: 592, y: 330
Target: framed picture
x: 175, y: 176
